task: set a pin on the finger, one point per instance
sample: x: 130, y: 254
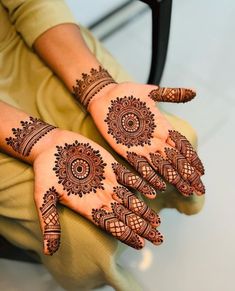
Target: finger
x: 111, y: 224
x: 137, y: 224
x: 169, y: 173
x: 130, y: 201
x: 49, y: 220
x: 146, y: 171
x: 127, y: 178
x: 186, y: 149
x: 185, y: 169
x: 175, y: 95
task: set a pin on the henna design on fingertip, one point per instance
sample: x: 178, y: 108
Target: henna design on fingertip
x: 130, y: 201
x: 166, y: 170
x: 110, y: 223
x: 185, y: 169
x: 90, y: 84
x: 186, y: 149
x: 130, y: 122
x: 79, y: 168
x: 27, y: 136
x: 145, y: 170
x: 175, y: 95
x: 127, y: 178
x: 50, y: 218
x: 137, y: 224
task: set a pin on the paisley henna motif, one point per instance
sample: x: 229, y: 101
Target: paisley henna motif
x: 27, y: 136
x: 176, y: 95
x: 145, y: 170
x: 110, y: 223
x: 186, y: 149
x: 130, y: 201
x: 51, y: 221
x: 165, y: 169
x: 127, y: 178
x: 79, y: 168
x: 130, y: 122
x: 90, y: 85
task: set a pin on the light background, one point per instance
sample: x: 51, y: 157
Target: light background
x: 199, y: 251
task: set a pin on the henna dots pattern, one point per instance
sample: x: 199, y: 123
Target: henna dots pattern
x: 79, y: 168
x: 130, y: 121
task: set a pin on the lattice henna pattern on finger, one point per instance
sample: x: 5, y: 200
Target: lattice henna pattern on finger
x: 175, y: 95
x: 127, y: 178
x: 91, y: 84
x: 109, y: 222
x: 79, y: 168
x: 51, y: 221
x: 185, y: 169
x: 186, y: 149
x: 137, y: 224
x: 142, y: 166
x: 27, y: 136
x: 166, y: 170
x: 130, y: 201
x: 130, y: 122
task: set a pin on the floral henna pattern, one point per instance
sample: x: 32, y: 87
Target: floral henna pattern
x: 109, y: 222
x: 165, y: 169
x: 127, y: 178
x: 130, y: 122
x: 79, y: 168
x: 142, y: 166
x: 90, y: 85
x: 137, y: 224
x: 176, y: 95
x: 51, y: 221
x: 27, y: 136
x: 185, y: 169
x: 130, y: 201
x: 186, y: 149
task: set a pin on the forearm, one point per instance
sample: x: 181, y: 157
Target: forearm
x: 22, y: 136
x: 63, y: 49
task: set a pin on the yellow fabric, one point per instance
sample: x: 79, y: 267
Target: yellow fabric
x: 87, y: 257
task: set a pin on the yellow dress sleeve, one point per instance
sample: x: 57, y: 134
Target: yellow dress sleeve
x: 33, y: 17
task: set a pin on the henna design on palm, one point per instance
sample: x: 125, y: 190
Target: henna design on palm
x: 27, y: 136
x: 79, y: 168
x: 175, y: 95
x: 90, y: 84
x: 130, y: 122
x: 186, y: 149
x: 165, y: 169
x: 142, y: 166
x: 51, y: 221
x: 185, y: 169
x: 130, y: 201
x: 110, y: 223
x: 137, y: 224
x: 127, y: 178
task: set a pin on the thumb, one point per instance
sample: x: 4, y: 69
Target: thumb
x: 49, y: 219
x: 175, y: 95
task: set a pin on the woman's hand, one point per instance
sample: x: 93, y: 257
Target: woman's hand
x: 81, y: 175
x: 127, y: 116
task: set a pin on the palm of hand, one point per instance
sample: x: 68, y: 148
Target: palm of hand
x: 81, y: 175
x: 132, y: 124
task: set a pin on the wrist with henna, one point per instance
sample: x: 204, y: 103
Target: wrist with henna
x: 90, y: 84
x: 25, y: 138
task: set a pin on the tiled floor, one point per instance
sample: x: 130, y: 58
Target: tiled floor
x: 199, y: 252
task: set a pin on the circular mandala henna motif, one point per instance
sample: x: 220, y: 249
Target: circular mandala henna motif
x: 79, y: 168
x: 130, y: 121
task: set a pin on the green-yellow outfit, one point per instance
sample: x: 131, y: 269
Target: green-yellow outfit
x: 87, y: 256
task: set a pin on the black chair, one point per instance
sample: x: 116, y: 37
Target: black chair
x: 161, y: 17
